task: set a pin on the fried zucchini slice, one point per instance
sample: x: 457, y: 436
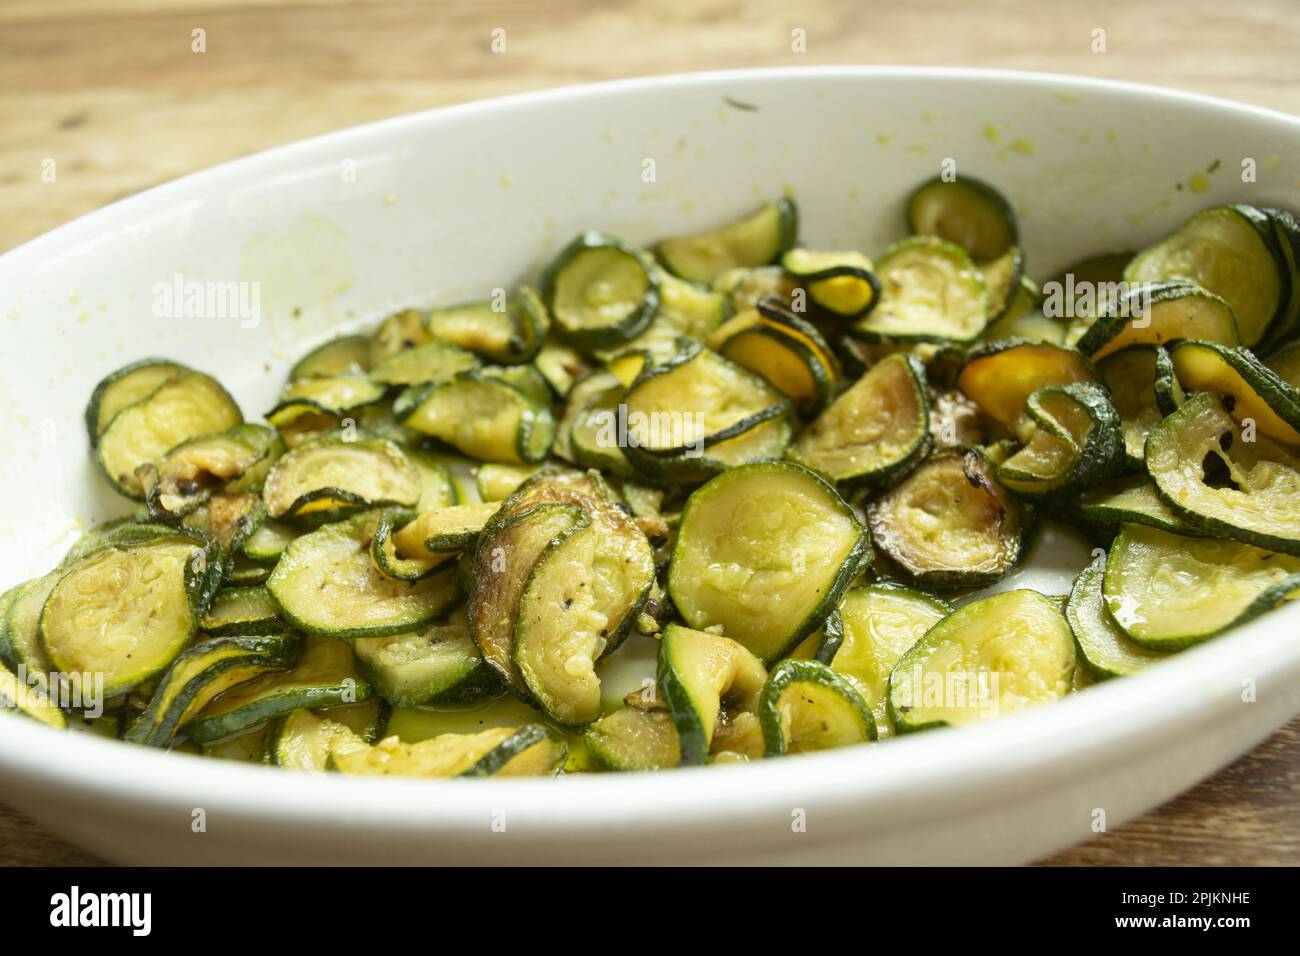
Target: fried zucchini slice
x: 1285, y: 364
x: 501, y: 751
x: 444, y: 531
x: 508, y: 335
x: 393, y: 563
x: 482, y: 415
x: 1131, y: 499
x: 1250, y: 389
x: 879, y: 623
x: 303, y: 739
x: 125, y: 387
x: 435, y: 361
x: 343, y: 355
x: 1167, y: 592
x: 1158, y: 314
x: 755, y: 241
x: 1218, y: 483
x: 841, y: 284
x: 1001, y: 376
x: 950, y: 524
x: 968, y: 212
x: 1233, y: 252
x: 325, y: 674
x: 1078, y: 441
x: 195, y: 470
x: 184, y: 406
x: 930, y: 292
x: 704, y: 679
x: 25, y: 699
x: 437, y: 665
x: 632, y: 738
x: 1105, y: 648
x: 872, y: 430
x: 326, y: 583
x: 242, y: 610
x: 765, y: 551
x: 784, y: 349
x: 600, y: 292
x: 328, y: 397
x: 339, y: 473
x: 1131, y: 376
x: 994, y: 656
x: 805, y: 706
x: 128, y: 610
x: 204, y: 671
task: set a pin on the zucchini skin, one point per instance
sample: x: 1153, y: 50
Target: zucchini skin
x: 997, y: 206
x: 1093, y: 627
x: 791, y: 672
x: 94, y: 427
x: 627, y: 328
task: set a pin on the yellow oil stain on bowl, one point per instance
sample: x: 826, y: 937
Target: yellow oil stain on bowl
x: 1199, y: 183
x: 1024, y: 147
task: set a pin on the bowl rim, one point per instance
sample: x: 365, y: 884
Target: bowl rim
x: 1117, y: 720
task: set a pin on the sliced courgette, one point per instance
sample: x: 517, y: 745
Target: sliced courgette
x: 1167, y: 591
x: 1106, y: 650
x: 204, y: 671
x: 839, y: 283
x: 195, y: 470
x: 330, y: 397
x: 127, y: 611
x: 805, y: 706
x: 326, y: 583
x: 1024, y: 318
x: 690, y: 309
x: 437, y: 665
x: 1158, y: 314
x: 1131, y: 376
x: 755, y: 241
x: 393, y: 562
x: 1131, y: 499
x: 1219, y: 483
x: 509, y: 336
x: 703, y: 678
x: 994, y: 656
x: 743, y: 288
x: 344, y: 355
x: 405, y: 329
x: 481, y: 415
x: 872, y: 430
x: 125, y: 387
x: 600, y: 291
x: 880, y: 622
x: 241, y: 610
x: 268, y: 542
x: 435, y: 361
x: 1078, y: 441
x: 184, y: 406
x: 950, y: 524
x: 1250, y: 389
x: 1000, y: 377
x: 1002, y: 282
x: 1231, y: 251
x: 765, y: 551
x: 1285, y: 363
x: 930, y: 292
x: 634, y: 738
x: 496, y: 481
x: 502, y: 751
x: 444, y: 531
x: 23, y: 698
x: 325, y: 674
x: 787, y: 351
x: 967, y: 211
x: 303, y: 739
x: 338, y: 473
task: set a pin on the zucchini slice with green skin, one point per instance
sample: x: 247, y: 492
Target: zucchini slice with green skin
x: 1105, y: 648
x: 335, y: 397
x: 438, y: 665
x: 23, y: 698
x: 128, y: 610
x: 481, y: 415
x: 497, y: 481
x: 1221, y: 484
x: 229, y: 518
x: 598, y: 387
x: 880, y: 622
x: 930, y: 292
x: 303, y: 739
x: 1157, y: 314
x: 196, y: 469
x: 1000, y: 377
x: 1286, y: 364
x: 1131, y: 499
x: 765, y: 550
x: 872, y: 430
x: 950, y: 524
x: 1024, y: 318
x: 182, y: 407
x: 698, y: 400
x: 600, y: 291
x: 968, y: 212
x: 1286, y: 228
x: 841, y: 284
x: 324, y: 674
x: 688, y: 308
x: 994, y: 656
x: 633, y: 738
x: 404, y: 329
x: 20, y: 628
x: 125, y: 387
x: 508, y: 336
x: 326, y: 583
x: 1002, y: 281
x: 1249, y: 388
x: 435, y: 361
x: 755, y: 241
x: 344, y: 355
x: 437, y: 489
x: 582, y: 596
x: 1167, y: 592
x: 1233, y: 252
x: 339, y: 473
x: 204, y: 671
x: 242, y: 610
x: 703, y: 677
x: 1131, y: 376
x: 743, y: 288
x: 561, y: 366
x: 787, y: 351
x: 267, y: 542
x: 1078, y: 442
x: 385, y: 554
x: 444, y: 531
x: 766, y: 439
x: 805, y: 706
x: 503, y: 562
x: 244, y: 572
x: 501, y: 751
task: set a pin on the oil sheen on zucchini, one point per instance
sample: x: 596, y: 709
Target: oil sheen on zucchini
x: 994, y: 656
x: 765, y: 551
x: 1106, y: 649
x: 930, y: 292
x: 754, y: 241
x: 806, y: 706
x: 437, y: 665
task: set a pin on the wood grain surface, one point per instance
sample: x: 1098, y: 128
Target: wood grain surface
x: 114, y: 93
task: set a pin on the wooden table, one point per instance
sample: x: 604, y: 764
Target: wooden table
x: 114, y: 93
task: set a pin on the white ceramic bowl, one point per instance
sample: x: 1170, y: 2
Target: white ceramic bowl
x: 342, y: 229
